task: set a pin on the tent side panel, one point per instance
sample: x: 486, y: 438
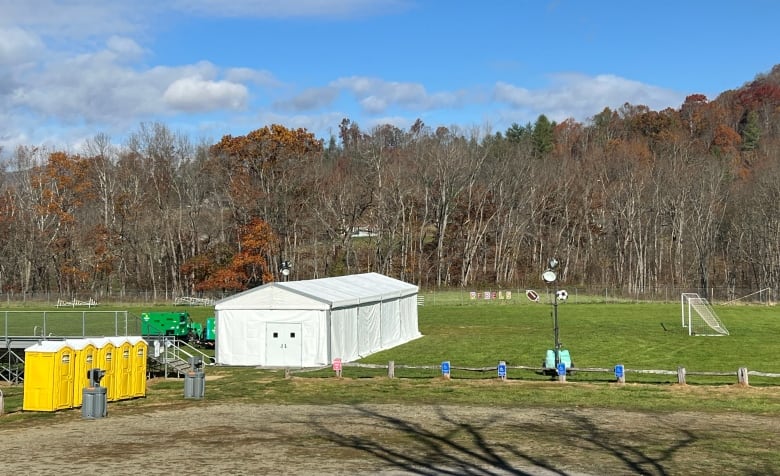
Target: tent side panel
x: 315, y: 335
x: 369, y: 323
x: 391, y: 323
x: 240, y: 337
x: 344, y: 334
x: 409, y: 323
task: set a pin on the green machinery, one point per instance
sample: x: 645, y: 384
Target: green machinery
x: 209, y: 332
x: 179, y: 325
x: 173, y: 324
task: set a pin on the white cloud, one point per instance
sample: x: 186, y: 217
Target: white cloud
x: 309, y: 100
x: 75, y: 18
x: 248, y: 75
x: 18, y: 46
x: 195, y: 94
x: 125, y: 48
x: 377, y: 95
x: 291, y: 9
x: 580, y: 96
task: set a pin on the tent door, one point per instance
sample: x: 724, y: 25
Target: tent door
x: 283, y: 345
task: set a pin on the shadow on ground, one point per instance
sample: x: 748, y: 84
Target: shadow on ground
x: 565, y: 443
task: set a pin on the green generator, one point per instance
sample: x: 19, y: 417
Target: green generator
x: 175, y: 324
x: 210, y: 333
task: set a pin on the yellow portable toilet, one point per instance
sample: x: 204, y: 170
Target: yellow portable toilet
x: 138, y: 363
x: 86, y: 356
x: 48, y: 376
x: 105, y: 361
x: 122, y: 367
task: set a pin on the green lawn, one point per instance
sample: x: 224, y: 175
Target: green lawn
x: 639, y: 336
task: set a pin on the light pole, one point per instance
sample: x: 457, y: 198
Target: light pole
x: 284, y: 269
x: 550, y: 277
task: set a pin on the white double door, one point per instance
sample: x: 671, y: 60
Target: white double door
x: 284, y: 344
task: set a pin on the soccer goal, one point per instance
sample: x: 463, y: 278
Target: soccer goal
x: 699, y: 317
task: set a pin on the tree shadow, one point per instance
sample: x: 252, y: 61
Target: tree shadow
x: 459, y: 447
x: 625, y: 455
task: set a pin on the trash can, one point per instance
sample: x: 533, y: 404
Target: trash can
x: 195, y: 379
x: 94, y: 400
x: 93, y: 403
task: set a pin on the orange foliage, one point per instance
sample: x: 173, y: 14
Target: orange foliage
x: 248, y: 267
x: 255, y: 162
x: 223, y: 279
x: 726, y: 138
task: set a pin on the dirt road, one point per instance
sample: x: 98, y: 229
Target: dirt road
x: 200, y: 437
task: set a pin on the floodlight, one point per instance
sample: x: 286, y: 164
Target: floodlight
x: 284, y: 268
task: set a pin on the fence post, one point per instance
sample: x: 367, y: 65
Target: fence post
x: 391, y: 369
x: 445, y: 369
x: 681, y: 375
x: 620, y: 373
x: 742, y: 376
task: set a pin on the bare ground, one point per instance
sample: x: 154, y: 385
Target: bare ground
x: 201, y: 437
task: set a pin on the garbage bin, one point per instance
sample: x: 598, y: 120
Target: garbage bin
x: 94, y: 401
x: 195, y: 379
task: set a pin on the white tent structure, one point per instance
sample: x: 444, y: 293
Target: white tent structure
x: 310, y: 323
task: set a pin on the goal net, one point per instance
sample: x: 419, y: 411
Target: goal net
x: 699, y: 317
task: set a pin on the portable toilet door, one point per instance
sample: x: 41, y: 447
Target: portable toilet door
x: 105, y: 362
x: 48, y: 376
x: 138, y: 362
x: 122, y: 367
x: 85, y: 355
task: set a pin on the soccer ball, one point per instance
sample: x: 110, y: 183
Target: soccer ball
x: 562, y: 295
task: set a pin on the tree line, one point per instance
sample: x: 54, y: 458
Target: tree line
x: 632, y: 198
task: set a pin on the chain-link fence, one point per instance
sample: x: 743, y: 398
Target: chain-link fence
x: 590, y: 294
x: 68, y: 323
x: 441, y: 296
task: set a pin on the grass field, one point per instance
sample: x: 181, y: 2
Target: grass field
x: 639, y: 336
x: 642, y: 336
x: 726, y: 428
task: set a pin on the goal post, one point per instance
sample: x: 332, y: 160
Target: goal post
x: 699, y: 316
x: 684, y: 312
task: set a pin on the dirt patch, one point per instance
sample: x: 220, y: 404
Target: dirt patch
x: 200, y: 437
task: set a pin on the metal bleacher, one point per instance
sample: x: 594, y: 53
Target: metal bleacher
x: 169, y: 356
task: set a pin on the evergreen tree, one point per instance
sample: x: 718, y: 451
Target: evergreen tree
x: 750, y: 131
x: 543, y: 136
x: 517, y: 133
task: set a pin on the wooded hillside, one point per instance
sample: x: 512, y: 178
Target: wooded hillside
x: 632, y: 198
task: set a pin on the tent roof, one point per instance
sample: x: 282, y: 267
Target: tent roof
x: 340, y: 291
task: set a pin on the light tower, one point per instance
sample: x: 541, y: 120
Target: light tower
x: 550, y: 276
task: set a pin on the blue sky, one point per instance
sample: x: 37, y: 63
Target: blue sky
x: 70, y: 69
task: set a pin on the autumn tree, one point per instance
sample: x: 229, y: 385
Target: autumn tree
x: 248, y: 266
x: 268, y: 174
